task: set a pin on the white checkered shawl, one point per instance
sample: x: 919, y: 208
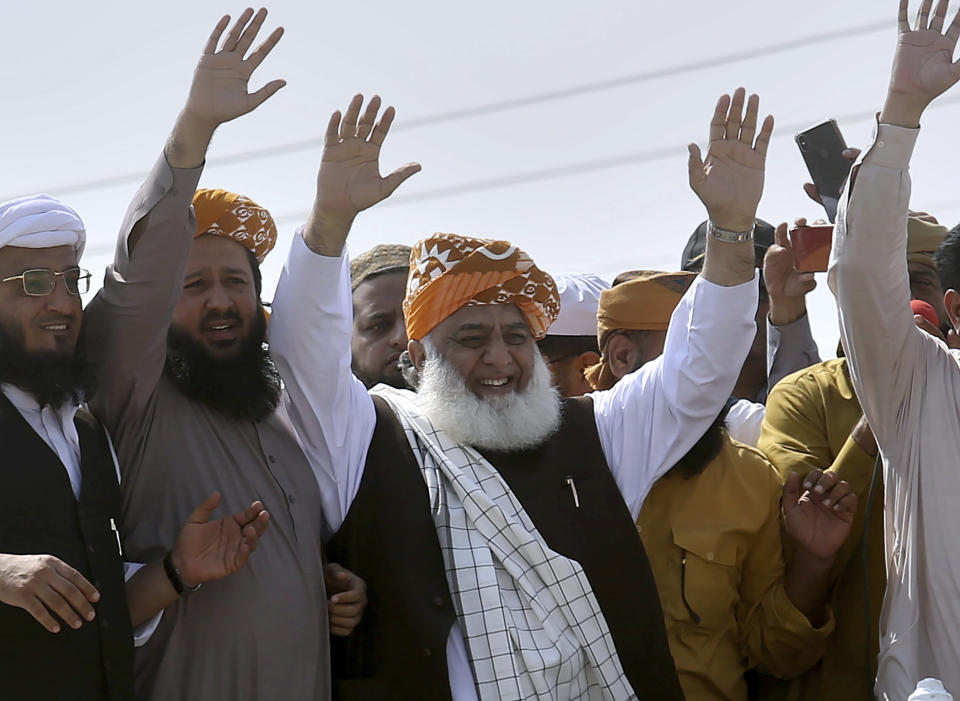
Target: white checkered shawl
x: 532, y: 625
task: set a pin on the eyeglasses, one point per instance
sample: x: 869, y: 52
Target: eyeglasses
x: 41, y: 282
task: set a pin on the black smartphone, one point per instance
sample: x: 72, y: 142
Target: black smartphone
x: 822, y: 149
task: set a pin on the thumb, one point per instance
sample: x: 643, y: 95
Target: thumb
x: 202, y: 513
x: 695, y: 166
x: 397, y: 177
x: 265, y: 93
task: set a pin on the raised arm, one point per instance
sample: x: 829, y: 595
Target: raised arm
x: 312, y: 316
x: 126, y: 324
x: 868, y: 270
x: 653, y: 416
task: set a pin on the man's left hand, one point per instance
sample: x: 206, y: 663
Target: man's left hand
x: 818, y: 514
x: 787, y: 288
x: 207, y: 550
x: 347, y: 598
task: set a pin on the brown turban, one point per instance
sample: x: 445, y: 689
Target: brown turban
x: 448, y: 272
x: 644, y: 300
x: 235, y: 217
x: 384, y: 258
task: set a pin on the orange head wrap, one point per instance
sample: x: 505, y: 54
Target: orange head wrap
x: 448, y: 272
x: 235, y: 217
x: 643, y: 300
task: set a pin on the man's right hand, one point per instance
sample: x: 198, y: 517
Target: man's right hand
x: 923, y: 65
x: 349, y: 180
x: 219, y: 91
x: 44, y: 585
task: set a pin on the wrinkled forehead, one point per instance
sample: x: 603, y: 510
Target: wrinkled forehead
x: 15, y: 259
x: 483, y: 316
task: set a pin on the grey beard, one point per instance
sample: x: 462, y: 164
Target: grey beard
x: 519, y: 421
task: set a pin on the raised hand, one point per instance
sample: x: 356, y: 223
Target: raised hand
x: 349, y: 180
x: 818, y: 518
x: 44, y: 585
x: 219, y: 91
x: 786, y: 287
x: 729, y: 181
x: 208, y: 550
x: 923, y: 65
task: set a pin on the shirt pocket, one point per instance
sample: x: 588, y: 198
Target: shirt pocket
x: 709, y: 577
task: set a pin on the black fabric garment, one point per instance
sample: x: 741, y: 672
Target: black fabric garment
x: 389, y: 539
x: 41, y: 516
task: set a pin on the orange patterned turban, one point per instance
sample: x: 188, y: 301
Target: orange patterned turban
x: 448, y: 272
x: 235, y: 217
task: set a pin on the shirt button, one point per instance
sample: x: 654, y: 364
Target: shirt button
x: 639, y: 529
x: 438, y: 601
x: 880, y: 144
x: 271, y: 458
x: 427, y: 653
x: 291, y: 498
x: 710, y: 557
x: 90, y: 548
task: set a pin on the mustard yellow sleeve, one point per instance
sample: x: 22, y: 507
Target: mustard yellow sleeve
x: 778, y: 639
x: 793, y: 435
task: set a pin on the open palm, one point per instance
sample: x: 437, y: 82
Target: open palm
x: 818, y: 522
x: 349, y: 180
x: 208, y: 550
x: 729, y: 181
x: 923, y: 66
x: 219, y: 91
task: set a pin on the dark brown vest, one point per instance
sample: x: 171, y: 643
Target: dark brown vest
x: 389, y: 539
x: 41, y: 516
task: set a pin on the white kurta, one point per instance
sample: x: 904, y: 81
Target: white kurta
x: 647, y: 422
x: 908, y: 384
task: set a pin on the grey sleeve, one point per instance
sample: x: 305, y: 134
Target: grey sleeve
x: 789, y: 348
x: 125, y: 326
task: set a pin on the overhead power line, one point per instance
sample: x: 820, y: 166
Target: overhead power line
x: 503, y: 105
x: 527, y: 177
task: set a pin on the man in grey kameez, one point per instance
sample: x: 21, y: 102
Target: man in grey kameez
x: 263, y: 633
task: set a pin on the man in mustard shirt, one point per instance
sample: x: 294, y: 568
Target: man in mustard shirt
x: 711, y: 528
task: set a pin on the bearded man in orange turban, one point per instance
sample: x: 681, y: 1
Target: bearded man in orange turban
x: 495, y: 521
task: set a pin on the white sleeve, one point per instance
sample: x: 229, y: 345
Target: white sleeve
x: 143, y: 632
x: 652, y: 417
x: 887, y: 354
x: 744, y: 422
x: 310, y: 328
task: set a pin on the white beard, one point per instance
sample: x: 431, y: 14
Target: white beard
x: 518, y: 421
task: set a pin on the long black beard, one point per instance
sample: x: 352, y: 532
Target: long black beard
x: 704, y: 450
x: 51, y: 377
x: 246, y: 386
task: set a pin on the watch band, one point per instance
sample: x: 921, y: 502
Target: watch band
x: 730, y: 236
x: 173, y: 574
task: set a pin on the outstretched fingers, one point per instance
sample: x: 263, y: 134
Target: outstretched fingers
x: 215, y: 35
x: 266, y: 92
x: 718, y: 124
x: 953, y: 31
x: 204, y: 511
x: 923, y: 14
x: 383, y: 126
x: 763, y: 138
x: 903, y: 17
x: 749, y: 128
x: 695, y: 166
x: 369, y: 118
x: 939, y: 15
x: 348, y: 125
x: 332, y: 135
x: 233, y: 36
x: 250, y: 32
x: 262, y: 51
x: 735, y: 115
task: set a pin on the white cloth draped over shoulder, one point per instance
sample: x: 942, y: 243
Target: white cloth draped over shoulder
x: 531, y: 623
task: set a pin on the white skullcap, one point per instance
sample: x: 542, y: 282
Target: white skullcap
x: 39, y: 221
x: 579, y: 299
x: 930, y: 690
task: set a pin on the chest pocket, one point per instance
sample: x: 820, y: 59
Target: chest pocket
x: 709, y: 577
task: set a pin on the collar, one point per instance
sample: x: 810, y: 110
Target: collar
x: 24, y: 401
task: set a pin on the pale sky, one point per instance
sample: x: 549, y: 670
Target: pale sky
x: 585, y: 181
